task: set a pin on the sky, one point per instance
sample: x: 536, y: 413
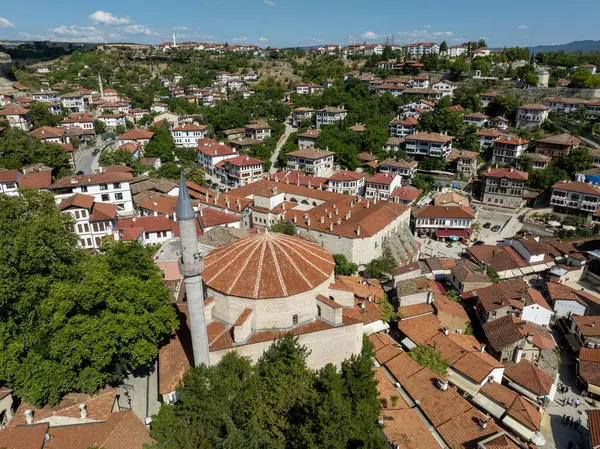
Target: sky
x: 285, y: 23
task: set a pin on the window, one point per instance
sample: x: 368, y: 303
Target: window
x: 118, y: 196
x: 84, y: 188
x: 76, y: 214
x: 106, y: 197
x: 83, y: 213
x: 103, y: 186
x: 295, y: 319
x: 319, y: 310
x: 89, y: 241
x: 117, y: 185
x: 86, y: 227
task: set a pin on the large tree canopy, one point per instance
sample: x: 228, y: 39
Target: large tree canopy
x: 70, y: 321
x: 277, y: 403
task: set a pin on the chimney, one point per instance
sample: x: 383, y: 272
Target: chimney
x: 83, y: 411
x: 331, y: 226
x: 530, y: 335
x: 358, y: 231
x: 368, y: 204
x: 295, y: 219
x: 446, y: 332
x: 482, y: 349
x: 29, y: 416
x: 339, y: 221
x: 322, y: 220
x: 308, y: 221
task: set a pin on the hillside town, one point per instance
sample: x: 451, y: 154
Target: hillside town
x: 362, y: 245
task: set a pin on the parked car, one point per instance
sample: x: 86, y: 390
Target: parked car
x: 488, y: 225
x: 496, y: 228
x: 478, y: 243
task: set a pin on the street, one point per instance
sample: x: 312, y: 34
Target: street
x: 289, y: 129
x: 85, y: 161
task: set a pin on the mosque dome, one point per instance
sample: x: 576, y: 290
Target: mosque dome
x: 267, y: 265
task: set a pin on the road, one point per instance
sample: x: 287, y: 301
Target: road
x: 85, y: 161
x: 289, y: 129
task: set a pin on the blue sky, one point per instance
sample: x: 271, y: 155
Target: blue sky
x: 281, y: 23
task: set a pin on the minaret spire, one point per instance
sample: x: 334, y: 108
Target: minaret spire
x: 191, y: 265
x: 174, y: 41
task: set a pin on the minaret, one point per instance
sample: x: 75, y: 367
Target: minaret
x: 100, y: 84
x: 174, y: 41
x: 191, y: 265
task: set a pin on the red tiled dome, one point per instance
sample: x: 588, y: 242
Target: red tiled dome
x: 267, y: 265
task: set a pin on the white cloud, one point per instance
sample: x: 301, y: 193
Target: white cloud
x: 137, y: 30
x: 239, y: 39
x: 369, y: 35
x: 76, y: 33
x: 523, y: 27
x: 5, y: 23
x: 443, y: 33
x: 270, y: 3
x: 107, y: 18
x: 262, y: 39
x: 181, y: 28
x: 426, y: 26
x: 33, y: 36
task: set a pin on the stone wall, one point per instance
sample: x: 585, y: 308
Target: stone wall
x: 328, y: 346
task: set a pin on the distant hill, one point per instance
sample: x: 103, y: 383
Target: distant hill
x: 583, y: 46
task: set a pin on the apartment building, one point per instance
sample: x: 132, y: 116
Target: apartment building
x: 347, y: 182
x: 312, y: 161
x: 188, y: 135
x: 330, y: 115
x: 429, y: 144
x: 508, y: 150
x: 420, y: 49
x: 575, y: 197
x: 381, y: 186
x: 239, y: 171
x: 504, y: 187
x: 106, y: 187
x: 532, y: 115
x: 406, y: 169
x: 93, y: 220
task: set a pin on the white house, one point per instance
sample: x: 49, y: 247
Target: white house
x: 79, y: 120
x: 113, y: 120
x: 575, y: 197
x: 311, y: 160
x: 240, y: 170
x: 429, y: 144
x: 532, y: 115
x: 50, y: 134
x: 330, y: 115
x: 93, y: 220
x: 507, y: 150
x: 381, y: 186
x: 258, y: 130
x: 46, y: 96
x: 445, y: 86
x: 9, y: 182
x: 17, y: 117
x: 444, y: 221
x: 159, y: 107
x: 148, y: 230
x: 73, y: 102
x: 188, y: 135
x: 106, y: 187
x: 301, y: 114
x: 403, y: 127
x: 135, y: 136
x: 406, y: 169
x: 211, y: 154
x: 477, y: 118
x: 347, y: 182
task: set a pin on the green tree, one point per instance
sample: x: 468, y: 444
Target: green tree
x: 284, y: 227
x: 442, y: 120
x: 428, y: 357
x: 343, y: 266
x: 492, y: 274
x: 70, y: 321
x: 120, y: 129
x: 41, y: 116
x: 195, y: 174
x: 576, y: 161
x: 459, y: 69
x: 116, y: 157
x: 162, y: 144
x: 388, y: 312
x: 169, y: 170
x: 503, y: 105
x: 380, y: 267
x: 99, y: 127
x: 18, y: 148
x: 75, y: 142
x: 443, y: 47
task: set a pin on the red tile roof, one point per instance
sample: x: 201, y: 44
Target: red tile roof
x: 269, y: 265
x: 594, y: 426
x: 9, y: 175
x: 406, y: 194
x: 506, y: 173
x: 445, y: 212
x: 136, y: 134
x: 84, y: 180
x: 347, y: 175
x: 211, y: 217
x: 529, y: 377
x: 382, y: 178
x: 430, y: 137
x: 580, y: 187
x: 48, y: 132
